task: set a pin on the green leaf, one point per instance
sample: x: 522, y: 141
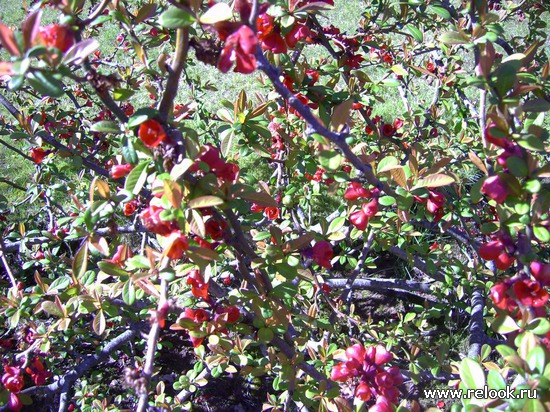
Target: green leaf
x: 129, y: 293
x: 387, y: 163
x: 285, y: 290
x: 330, y: 159
x: 52, y: 309
x: 137, y: 178
x: 416, y: 33
x: 440, y: 11
x: 336, y: 224
x: 539, y: 326
x: 536, y: 105
x: 386, y: 200
x: 265, y: 335
x: 45, y: 83
x: 174, y: 18
x: 122, y: 94
x: 80, y: 261
x: 536, y: 359
x: 453, y: 37
x: 99, y: 323
x: 541, y: 233
x: 531, y: 142
x: 472, y: 374
x: 59, y: 284
x: 205, y: 201
x: 218, y: 12
x: 517, y: 166
x: 112, y: 269
x: 105, y: 126
x: 435, y: 180
x: 495, y: 380
x: 129, y: 151
x: 504, y: 324
x: 260, y: 198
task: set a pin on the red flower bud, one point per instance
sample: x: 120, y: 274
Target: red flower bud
x: 119, y: 171
x: 541, y: 272
x: 495, y: 188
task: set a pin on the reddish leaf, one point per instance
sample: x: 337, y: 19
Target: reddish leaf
x: 8, y: 40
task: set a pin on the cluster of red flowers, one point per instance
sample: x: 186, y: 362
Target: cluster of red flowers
x: 14, y: 381
x: 500, y: 250
x: 434, y: 203
x: 529, y: 292
x: 360, y: 218
x: 365, y: 366
x: 318, y: 176
x: 272, y: 213
x: 199, y: 316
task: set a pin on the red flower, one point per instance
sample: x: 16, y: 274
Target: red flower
x: 37, y: 372
x: 530, y: 293
x: 398, y: 123
x: 363, y: 392
x: 199, y: 289
x: 388, y: 130
x: 198, y: 316
x: 12, y: 379
x: 370, y: 209
x: 322, y: 254
x: 15, y: 403
x: 38, y: 155
x: 356, y: 191
x: 499, y: 296
x: 130, y: 208
x: 240, y: 47
x: 152, y: 221
x: 215, y: 229
x: 271, y: 213
x: 119, y: 171
x: 151, y: 133
x: 298, y: 32
x: 366, y: 366
x: 176, y: 244
x: 541, y: 272
x: 436, y: 201
x: 504, y: 261
x: 233, y: 313
x: 491, y: 250
x: 359, y: 219
x: 495, y: 188
x: 56, y: 35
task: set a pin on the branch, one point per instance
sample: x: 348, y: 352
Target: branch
x: 477, y: 335
x: 339, y: 139
x: 15, y: 246
x: 346, y: 293
x: 152, y: 349
x: 6, y: 264
x: 66, y: 381
x: 15, y: 149
x: 175, y: 70
x: 95, y: 14
x: 398, y: 285
x: 417, y: 262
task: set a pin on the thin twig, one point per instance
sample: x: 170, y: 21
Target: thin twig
x: 152, y: 349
